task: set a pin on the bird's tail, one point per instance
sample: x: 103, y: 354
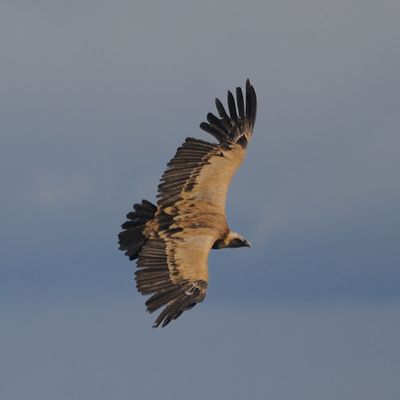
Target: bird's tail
x: 131, y: 239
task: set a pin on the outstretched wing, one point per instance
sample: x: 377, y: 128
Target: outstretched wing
x: 191, y: 210
x: 174, y: 271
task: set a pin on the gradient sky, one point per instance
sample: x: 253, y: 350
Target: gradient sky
x: 95, y: 98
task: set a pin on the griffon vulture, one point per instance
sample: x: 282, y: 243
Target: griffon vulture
x: 171, y: 240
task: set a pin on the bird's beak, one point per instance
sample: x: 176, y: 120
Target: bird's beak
x: 246, y: 243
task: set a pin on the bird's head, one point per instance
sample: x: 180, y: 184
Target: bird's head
x: 233, y: 239
x: 236, y: 240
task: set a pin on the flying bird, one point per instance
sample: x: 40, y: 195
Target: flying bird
x: 171, y: 240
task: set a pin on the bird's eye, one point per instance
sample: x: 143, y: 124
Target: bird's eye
x: 237, y: 242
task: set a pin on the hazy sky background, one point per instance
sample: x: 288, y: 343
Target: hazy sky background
x: 95, y: 98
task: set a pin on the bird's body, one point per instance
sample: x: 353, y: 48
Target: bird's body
x: 173, y: 239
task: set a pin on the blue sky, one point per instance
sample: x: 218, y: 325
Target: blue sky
x: 96, y: 97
